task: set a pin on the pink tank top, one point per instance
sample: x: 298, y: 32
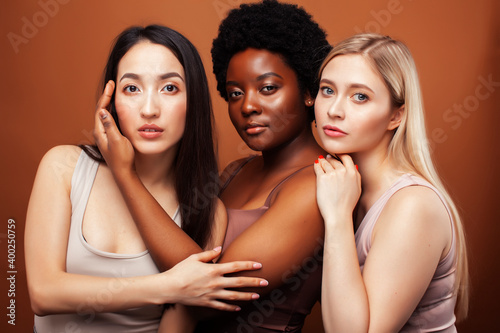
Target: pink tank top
x: 284, y: 309
x: 435, y: 311
x: 82, y: 258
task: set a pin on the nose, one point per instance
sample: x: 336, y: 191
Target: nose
x: 150, y: 107
x: 336, y: 109
x: 250, y: 104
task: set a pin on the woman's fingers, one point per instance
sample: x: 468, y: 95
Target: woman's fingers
x: 318, y: 170
x: 238, y: 266
x: 101, y: 112
x: 347, y: 161
x: 109, y: 126
x: 207, y: 256
x: 218, y: 305
x: 325, y: 164
x: 232, y: 295
x: 105, y: 99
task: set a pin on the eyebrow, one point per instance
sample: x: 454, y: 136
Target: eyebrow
x: 268, y: 74
x: 351, y: 85
x: 134, y: 76
x: 259, y: 78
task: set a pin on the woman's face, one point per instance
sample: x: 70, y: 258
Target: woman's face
x: 265, y: 103
x: 353, y: 107
x: 150, y: 98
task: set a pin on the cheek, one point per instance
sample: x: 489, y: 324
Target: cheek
x: 233, y: 112
x: 178, y: 116
x: 320, y: 111
x: 287, y: 113
x: 370, y: 130
x: 125, y: 113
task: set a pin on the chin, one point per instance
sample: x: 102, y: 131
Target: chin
x: 256, y: 147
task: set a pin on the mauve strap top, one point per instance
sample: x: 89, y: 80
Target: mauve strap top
x: 435, y: 311
x: 285, y: 308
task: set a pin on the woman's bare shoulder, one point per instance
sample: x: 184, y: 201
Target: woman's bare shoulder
x: 60, y: 161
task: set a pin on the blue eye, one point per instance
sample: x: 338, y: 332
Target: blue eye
x: 359, y: 97
x: 170, y: 88
x: 327, y: 91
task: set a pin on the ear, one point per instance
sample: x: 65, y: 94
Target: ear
x: 308, y: 100
x: 397, y: 116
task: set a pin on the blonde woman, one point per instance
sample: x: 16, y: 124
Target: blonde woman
x: 395, y: 257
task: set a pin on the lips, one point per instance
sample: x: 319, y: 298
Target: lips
x: 333, y: 131
x: 254, y: 127
x: 150, y: 131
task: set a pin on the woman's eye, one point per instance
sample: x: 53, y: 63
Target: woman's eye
x: 359, y: 97
x: 327, y: 91
x: 170, y: 88
x: 131, y: 89
x: 268, y: 89
x: 234, y: 94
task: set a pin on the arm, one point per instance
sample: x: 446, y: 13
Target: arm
x: 344, y: 302
x: 286, y: 236
x: 53, y: 290
x: 167, y: 243
x: 219, y: 227
x: 401, y: 261
x: 179, y: 318
x: 292, y: 229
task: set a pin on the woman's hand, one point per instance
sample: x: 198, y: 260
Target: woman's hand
x: 199, y: 282
x: 338, y: 186
x: 114, y: 147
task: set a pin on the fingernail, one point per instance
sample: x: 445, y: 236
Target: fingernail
x: 264, y: 283
x: 218, y: 248
x: 257, y: 265
x: 255, y: 296
x: 320, y: 156
x: 237, y: 309
x: 356, y: 166
x: 104, y: 115
x: 316, y: 161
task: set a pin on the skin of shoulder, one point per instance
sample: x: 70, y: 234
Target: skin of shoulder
x: 412, y: 234
x: 47, y: 226
x: 286, y: 235
x: 61, y: 161
x: 230, y: 169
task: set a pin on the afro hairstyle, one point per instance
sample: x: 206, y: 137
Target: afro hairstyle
x: 284, y: 29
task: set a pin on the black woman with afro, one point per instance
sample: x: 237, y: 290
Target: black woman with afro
x: 266, y: 59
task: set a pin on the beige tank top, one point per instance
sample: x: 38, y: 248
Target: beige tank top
x: 84, y: 259
x: 435, y: 311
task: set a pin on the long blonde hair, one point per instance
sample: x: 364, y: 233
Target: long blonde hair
x: 409, y: 147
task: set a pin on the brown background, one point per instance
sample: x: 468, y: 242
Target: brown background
x: 48, y: 89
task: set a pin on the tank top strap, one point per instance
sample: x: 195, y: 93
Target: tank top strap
x: 268, y: 200
x: 235, y: 172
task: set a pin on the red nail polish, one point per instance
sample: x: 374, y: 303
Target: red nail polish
x: 320, y: 156
x: 316, y: 161
x: 356, y: 167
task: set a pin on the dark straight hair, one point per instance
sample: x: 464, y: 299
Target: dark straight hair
x: 196, y: 173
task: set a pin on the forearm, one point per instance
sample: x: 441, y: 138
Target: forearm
x: 73, y: 293
x: 177, y: 319
x: 344, y: 298
x: 167, y: 243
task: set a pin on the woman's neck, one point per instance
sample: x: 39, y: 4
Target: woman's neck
x: 378, y: 173
x: 300, y: 151
x: 156, y: 170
